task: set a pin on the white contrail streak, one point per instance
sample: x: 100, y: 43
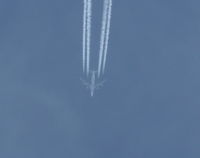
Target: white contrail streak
x: 103, y: 31
x: 84, y: 32
x: 107, y: 33
x: 89, y: 13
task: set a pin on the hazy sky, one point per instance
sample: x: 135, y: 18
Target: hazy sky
x: 148, y: 107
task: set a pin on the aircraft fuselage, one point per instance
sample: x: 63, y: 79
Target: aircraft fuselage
x: 92, y: 86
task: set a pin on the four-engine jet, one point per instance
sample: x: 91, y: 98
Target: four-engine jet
x: 92, y: 85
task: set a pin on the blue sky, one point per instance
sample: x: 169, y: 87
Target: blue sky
x: 149, y: 105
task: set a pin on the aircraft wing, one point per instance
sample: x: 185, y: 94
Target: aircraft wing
x: 85, y: 83
x: 98, y: 85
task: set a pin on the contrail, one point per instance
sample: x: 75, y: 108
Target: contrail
x: 107, y: 33
x: 103, y: 31
x: 84, y: 32
x: 89, y: 13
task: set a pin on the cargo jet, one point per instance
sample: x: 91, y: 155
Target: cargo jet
x: 92, y: 85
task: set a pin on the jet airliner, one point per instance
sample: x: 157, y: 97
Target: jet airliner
x: 92, y: 85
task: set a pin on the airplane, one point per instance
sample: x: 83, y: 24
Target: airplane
x: 92, y: 85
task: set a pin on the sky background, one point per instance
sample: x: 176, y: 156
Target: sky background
x: 149, y: 106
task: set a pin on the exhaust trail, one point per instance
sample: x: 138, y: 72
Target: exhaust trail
x: 89, y: 13
x: 103, y: 33
x: 84, y: 33
x: 109, y: 14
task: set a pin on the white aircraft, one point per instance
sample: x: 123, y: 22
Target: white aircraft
x: 92, y: 85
